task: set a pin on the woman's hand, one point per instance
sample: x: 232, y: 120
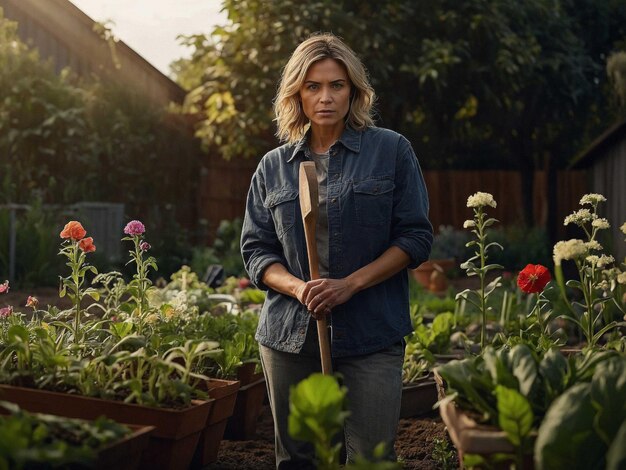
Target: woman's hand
x: 321, y: 295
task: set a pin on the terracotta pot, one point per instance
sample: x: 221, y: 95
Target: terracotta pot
x: 176, y: 433
x: 470, y: 437
x: 224, y: 392
x: 431, y: 274
x: 242, y: 424
x: 246, y: 373
x: 418, y: 397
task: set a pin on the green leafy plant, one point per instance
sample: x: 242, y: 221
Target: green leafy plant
x: 514, y: 388
x: 600, y: 286
x: 44, y: 441
x: 444, y: 454
x: 317, y: 414
x: 591, y: 416
x: 479, y: 225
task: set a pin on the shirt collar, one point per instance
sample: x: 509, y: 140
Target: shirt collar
x: 350, y: 138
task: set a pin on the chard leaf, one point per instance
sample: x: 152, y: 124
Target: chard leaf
x: 616, y: 456
x: 524, y: 368
x: 515, y: 416
x: 608, y: 389
x: 474, y: 386
x: 566, y: 439
x: 497, y: 364
x: 554, y: 369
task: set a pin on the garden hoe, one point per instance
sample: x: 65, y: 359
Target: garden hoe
x: 309, y: 207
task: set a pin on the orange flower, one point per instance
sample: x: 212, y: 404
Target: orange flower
x: 73, y: 230
x: 86, y: 244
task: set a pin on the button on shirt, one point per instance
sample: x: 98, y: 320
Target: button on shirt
x: 376, y: 198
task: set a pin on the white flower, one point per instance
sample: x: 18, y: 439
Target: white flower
x: 569, y: 249
x: 604, y: 260
x: 621, y: 278
x: 603, y: 285
x: 623, y: 228
x: 481, y: 199
x: 600, y: 224
x: 592, y: 260
x: 592, y: 199
x: 469, y: 224
x: 579, y: 217
x: 593, y: 245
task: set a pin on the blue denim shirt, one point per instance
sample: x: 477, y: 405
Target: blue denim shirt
x: 376, y: 199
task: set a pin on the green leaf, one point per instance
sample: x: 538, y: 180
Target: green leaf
x: 554, y: 369
x: 616, y: 456
x: 608, y: 393
x: 515, y: 415
x: 566, y: 439
x: 316, y: 409
x: 524, y: 368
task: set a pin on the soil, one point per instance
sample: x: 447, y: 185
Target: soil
x: 414, y: 445
x: 45, y: 295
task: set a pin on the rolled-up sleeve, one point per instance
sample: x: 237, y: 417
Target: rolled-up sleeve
x: 260, y: 246
x: 411, y: 230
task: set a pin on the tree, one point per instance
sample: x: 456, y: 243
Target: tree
x: 473, y: 84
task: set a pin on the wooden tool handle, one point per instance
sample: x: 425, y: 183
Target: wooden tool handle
x: 309, y: 206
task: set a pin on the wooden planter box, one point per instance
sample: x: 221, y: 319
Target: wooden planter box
x: 470, y: 437
x: 224, y: 394
x: 176, y: 432
x: 418, y: 397
x: 126, y: 453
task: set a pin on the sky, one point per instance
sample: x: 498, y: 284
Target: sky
x: 150, y: 27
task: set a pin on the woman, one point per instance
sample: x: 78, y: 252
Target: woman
x: 372, y: 225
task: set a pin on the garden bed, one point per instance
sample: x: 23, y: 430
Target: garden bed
x: 414, y: 445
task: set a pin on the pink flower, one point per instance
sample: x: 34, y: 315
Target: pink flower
x: 134, y: 227
x: 6, y: 312
x: 4, y: 287
x: 244, y: 282
x: 145, y: 246
x: 32, y: 302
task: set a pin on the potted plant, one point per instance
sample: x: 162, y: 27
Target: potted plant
x: 32, y: 440
x: 448, y: 247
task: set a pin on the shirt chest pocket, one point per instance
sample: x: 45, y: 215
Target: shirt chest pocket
x: 282, y: 205
x: 373, y: 201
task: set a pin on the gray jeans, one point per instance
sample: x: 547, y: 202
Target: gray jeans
x: 374, y: 383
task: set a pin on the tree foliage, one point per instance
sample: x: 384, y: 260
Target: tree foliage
x: 71, y: 139
x: 473, y: 84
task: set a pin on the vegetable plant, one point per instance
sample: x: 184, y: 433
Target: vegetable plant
x: 317, y: 413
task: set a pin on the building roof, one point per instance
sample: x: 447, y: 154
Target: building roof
x: 598, y: 147
x: 62, y: 32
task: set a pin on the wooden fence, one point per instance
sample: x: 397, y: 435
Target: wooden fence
x: 225, y: 185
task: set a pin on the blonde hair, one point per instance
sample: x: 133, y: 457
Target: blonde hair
x: 290, y: 119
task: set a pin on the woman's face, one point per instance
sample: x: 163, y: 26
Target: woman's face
x: 325, y: 95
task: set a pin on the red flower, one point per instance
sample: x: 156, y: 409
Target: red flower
x: 533, y: 278
x: 86, y: 244
x: 73, y: 230
x: 4, y: 287
x: 244, y: 283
